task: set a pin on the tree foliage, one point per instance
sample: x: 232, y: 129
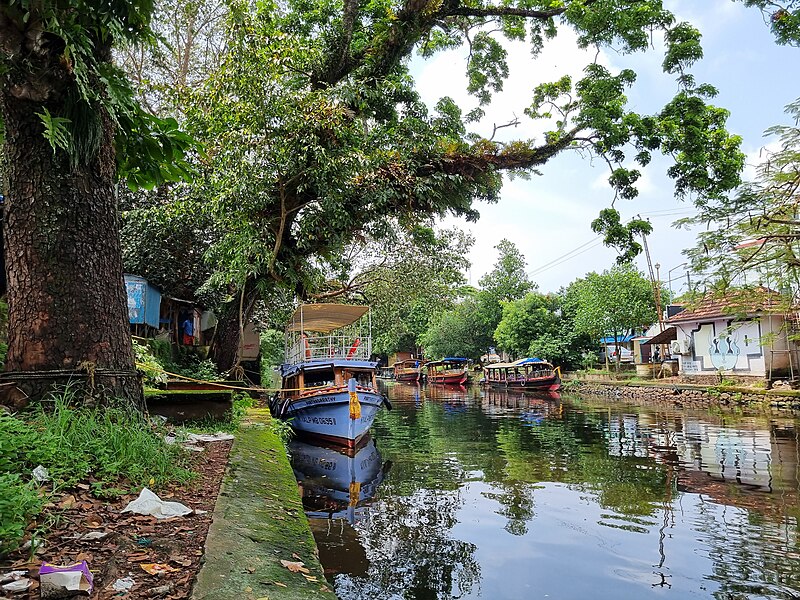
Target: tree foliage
x: 457, y: 332
x: 783, y: 18
x: 315, y: 132
x: 616, y: 302
x: 752, y: 235
x: 524, y: 321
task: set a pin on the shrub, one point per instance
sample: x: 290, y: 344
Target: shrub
x: 152, y: 370
x: 19, y: 501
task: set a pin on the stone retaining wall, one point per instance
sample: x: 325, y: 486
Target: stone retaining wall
x: 688, y: 397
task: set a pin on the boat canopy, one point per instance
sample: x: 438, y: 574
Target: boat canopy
x: 445, y: 361
x: 528, y: 361
x: 324, y: 318
x: 519, y: 363
x: 410, y: 362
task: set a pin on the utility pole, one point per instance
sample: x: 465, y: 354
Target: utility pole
x: 656, y: 284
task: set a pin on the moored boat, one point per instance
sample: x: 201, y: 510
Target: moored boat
x: 524, y: 374
x: 451, y: 370
x: 328, y: 386
x: 409, y: 370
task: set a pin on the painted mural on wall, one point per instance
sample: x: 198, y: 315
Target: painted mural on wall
x: 724, y: 351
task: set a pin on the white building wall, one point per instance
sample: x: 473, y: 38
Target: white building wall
x: 746, y: 336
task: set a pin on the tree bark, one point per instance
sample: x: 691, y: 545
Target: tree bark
x: 226, y: 348
x: 68, y: 317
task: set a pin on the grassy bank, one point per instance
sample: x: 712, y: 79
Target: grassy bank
x: 111, y: 450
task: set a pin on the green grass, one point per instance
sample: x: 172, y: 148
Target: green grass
x: 115, y: 448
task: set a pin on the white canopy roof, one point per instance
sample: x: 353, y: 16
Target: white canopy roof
x: 323, y: 318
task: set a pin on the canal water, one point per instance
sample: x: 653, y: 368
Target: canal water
x: 472, y: 493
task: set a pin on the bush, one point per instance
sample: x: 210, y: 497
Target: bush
x: 188, y: 364
x: 110, y: 446
x: 19, y: 501
x: 151, y: 368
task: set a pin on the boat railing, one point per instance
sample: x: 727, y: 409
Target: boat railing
x: 307, y: 347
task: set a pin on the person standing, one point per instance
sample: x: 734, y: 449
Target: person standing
x: 188, y: 331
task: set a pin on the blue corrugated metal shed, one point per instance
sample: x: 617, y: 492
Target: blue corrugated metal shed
x: 144, y: 301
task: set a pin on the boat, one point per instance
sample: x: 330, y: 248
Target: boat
x: 453, y: 371
x: 524, y: 374
x: 409, y: 371
x: 385, y: 373
x: 328, y: 388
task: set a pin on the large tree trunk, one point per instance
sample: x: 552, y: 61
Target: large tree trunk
x: 227, y: 346
x: 67, y: 305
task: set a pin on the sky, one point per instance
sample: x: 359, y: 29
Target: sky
x: 548, y: 217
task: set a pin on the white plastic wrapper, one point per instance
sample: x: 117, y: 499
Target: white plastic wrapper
x: 148, y: 503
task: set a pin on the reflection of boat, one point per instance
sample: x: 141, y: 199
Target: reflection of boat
x: 524, y: 374
x: 448, y: 370
x: 335, y: 482
x: 409, y: 370
x: 452, y: 393
x: 329, y: 388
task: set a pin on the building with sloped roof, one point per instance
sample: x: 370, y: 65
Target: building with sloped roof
x: 747, y: 332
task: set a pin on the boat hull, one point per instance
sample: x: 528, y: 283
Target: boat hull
x: 407, y: 377
x: 449, y: 379
x: 326, y: 416
x: 548, y: 384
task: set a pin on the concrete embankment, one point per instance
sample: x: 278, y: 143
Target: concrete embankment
x: 687, y: 395
x: 259, y: 522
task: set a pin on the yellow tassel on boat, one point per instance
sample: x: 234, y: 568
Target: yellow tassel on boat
x: 355, y: 492
x: 355, y: 406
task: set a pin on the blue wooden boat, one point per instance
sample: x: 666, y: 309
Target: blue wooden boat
x: 329, y: 390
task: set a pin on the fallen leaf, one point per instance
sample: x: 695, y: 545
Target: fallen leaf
x: 182, y: 561
x: 82, y: 486
x: 295, y: 567
x: 310, y: 578
x: 138, y: 556
x: 248, y: 589
x: 67, y: 502
x: 94, y: 521
x: 158, y: 568
x: 294, y: 555
x: 278, y: 583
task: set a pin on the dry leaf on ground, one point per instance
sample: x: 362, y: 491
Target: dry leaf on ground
x: 295, y: 567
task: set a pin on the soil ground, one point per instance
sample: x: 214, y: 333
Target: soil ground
x: 131, y: 541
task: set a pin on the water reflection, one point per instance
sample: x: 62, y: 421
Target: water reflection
x: 335, y: 482
x: 509, y: 495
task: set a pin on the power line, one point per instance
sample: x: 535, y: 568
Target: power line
x: 585, y: 247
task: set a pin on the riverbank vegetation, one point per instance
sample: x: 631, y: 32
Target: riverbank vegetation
x: 106, y: 451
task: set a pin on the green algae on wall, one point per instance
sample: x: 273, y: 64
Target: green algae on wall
x: 258, y: 522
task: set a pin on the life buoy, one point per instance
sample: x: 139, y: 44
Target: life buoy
x: 353, y: 348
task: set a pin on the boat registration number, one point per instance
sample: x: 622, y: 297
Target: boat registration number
x: 320, y: 420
